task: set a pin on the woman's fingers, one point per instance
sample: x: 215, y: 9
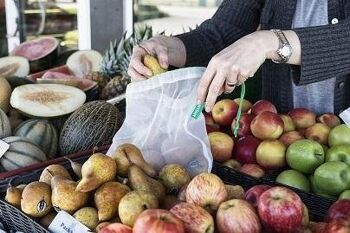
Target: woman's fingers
x: 136, y: 62
x: 162, y: 56
x: 216, y: 88
x: 204, y: 84
x: 135, y: 76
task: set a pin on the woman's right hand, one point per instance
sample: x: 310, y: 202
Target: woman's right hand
x: 168, y: 50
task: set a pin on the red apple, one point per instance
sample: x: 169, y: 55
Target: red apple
x: 271, y: 154
x: 245, y: 149
x: 317, y: 227
x: 281, y: 210
x: 195, y: 218
x: 329, y: 119
x: 302, y: 117
x: 252, y: 195
x: 221, y: 146
x: 206, y: 190
x: 338, y: 226
x: 237, y: 216
x: 339, y: 209
x: 263, y: 106
x: 116, y: 228
x: 290, y: 137
x: 210, y: 124
x: 224, y: 112
x: 288, y: 123
x: 246, y: 104
x: 318, y: 132
x: 244, y: 124
x: 267, y: 125
x: 158, y: 221
x: 253, y: 170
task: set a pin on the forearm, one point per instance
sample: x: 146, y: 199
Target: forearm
x: 273, y: 45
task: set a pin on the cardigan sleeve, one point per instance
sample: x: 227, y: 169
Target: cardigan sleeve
x: 233, y: 20
x: 325, y: 52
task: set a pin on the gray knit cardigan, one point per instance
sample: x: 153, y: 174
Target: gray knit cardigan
x: 325, y: 49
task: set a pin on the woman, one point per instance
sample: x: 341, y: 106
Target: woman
x: 312, y: 51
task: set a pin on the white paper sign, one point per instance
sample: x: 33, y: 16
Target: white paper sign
x: 66, y: 223
x: 345, y: 116
x: 3, y: 147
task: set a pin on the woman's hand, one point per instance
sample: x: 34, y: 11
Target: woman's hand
x: 234, y: 65
x: 168, y: 50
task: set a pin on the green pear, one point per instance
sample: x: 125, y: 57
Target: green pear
x: 339, y: 153
x: 53, y: 170
x: 139, y: 181
x: 339, y: 135
x: 133, y: 204
x: 65, y: 196
x: 305, y: 156
x: 97, y: 170
x: 36, y: 199
x: 173, y: 177
x: 87, y: 216
x: 332, y: 178
x: 107, y: 198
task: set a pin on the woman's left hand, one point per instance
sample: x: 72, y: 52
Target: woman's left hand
x: 234, y: 65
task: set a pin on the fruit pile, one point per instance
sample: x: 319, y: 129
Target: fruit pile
x: 313, y: 152
x: 123, y: 193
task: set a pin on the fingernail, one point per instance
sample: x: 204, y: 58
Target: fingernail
x: 149, y: 73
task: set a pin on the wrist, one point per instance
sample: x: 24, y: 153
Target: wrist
x: 176, y: 51
x: 271, y: 44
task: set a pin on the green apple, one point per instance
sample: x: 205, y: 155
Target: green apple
x: 305, y: 156
x: 317, y: 191
x: 339, y: 153
x: 294, y: 179
x: 339, y: 135
x: 345, y: 195
x: 332, y: 178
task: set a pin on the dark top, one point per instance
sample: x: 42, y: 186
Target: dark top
x: 325, y: 49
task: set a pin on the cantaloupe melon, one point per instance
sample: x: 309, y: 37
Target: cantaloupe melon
x: 21, y: 153
x: 5, y: 94
x: 93, y: 124
x: 41, y: 132
x: 5, y: 126
x: 47, y: 100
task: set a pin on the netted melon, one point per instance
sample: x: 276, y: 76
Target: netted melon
x: 93, y: 124
x: 47, y: 100
x: 21, y: 153
x: 41, y: 132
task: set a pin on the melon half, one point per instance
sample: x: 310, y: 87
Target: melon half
x: 47, y: 100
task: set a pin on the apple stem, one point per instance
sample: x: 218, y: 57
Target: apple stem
x: 239, y: 112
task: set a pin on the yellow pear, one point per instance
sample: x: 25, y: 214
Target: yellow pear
x: 152, y: 63
x: 53, y: 170
x: 107, y: 198
x: 139, y: 181
x: 14, y: 195
x: 76, y: 167
x: 36, y: 199
x: 133, y: 204
x: 87, y: 216
x: 128, y: 154
x: 65, y: 196
x: 173, y: 177
x: 97, y: 170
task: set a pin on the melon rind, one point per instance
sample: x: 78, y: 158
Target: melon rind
x: 46, y: 100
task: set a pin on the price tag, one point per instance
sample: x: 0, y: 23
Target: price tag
x: 66, y: 223
x: 3, y: 147
x: 345, y: 116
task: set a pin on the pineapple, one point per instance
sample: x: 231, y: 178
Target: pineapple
x: 98, y: 77
x: 115, y: 87
x: 116, y: 61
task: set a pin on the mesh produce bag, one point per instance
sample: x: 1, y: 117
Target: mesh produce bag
x: 158, y: 120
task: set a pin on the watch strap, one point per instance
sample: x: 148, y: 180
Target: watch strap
x: 283, y: 41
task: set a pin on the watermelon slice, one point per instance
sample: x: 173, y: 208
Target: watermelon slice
x: 61, y: 69
x: 41, y: 52
x: 51, y: 77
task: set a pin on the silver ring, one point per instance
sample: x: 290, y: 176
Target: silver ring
x: 230, y: 84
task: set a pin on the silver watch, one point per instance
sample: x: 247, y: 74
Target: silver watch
x: 285, y: 49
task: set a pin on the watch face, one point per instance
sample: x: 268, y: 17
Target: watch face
x: 286, y: 50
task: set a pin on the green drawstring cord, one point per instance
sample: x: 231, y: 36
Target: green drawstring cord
x: 239, y: 112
